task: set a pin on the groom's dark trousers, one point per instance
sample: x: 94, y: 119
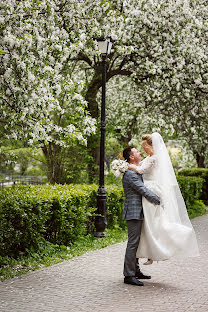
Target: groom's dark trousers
x: 134, y: 189
x: 134, y: 231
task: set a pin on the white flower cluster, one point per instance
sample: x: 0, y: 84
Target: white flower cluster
x: 48, y: 63
x: 119, y: 167
x: 39, y: 99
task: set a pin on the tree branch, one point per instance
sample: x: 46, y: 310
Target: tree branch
x: 82, y: 57
x: 118, y: 71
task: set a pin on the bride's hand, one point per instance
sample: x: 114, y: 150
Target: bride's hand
x: 132, y: 167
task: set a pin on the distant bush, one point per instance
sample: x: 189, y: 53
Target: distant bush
x: 35, y: 171
x: 191, y: 189
x: 198, y: 208
x: 201, y: 173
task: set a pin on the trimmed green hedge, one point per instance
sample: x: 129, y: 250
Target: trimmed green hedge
x: 201, y: 173
x: 191, y: 189
x: 59, y: 214
x: 62, y: 213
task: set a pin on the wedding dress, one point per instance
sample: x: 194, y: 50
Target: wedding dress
x: 167, y: 230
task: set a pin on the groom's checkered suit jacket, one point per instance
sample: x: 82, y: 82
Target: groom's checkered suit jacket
x: 134, y: 189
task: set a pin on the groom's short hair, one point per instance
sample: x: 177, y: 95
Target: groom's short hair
x: 127, y: 152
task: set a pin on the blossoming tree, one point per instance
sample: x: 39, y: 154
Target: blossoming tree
x: 52, y: 73
x: 160, y: 45
x: 39, y: 100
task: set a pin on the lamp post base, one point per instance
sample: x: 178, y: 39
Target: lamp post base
x: 100, y: 219
x: 100, y: 234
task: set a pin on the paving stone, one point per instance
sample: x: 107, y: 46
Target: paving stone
x: 94, y: 282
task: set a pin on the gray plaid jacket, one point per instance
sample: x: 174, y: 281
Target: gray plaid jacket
x: 134, y: 189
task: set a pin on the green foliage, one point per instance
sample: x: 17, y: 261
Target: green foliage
x: 110, y: 179
x: 19, y: 160
x: 115, y: 201
x: 7, y: 160
x: 191, y: 189
x: 2, y: 52
x: 59, y: 214
x: 114, y: 147
x: 35, y: 171
x: 198, y: 172
x: 198, y: 208
x: 75, y: 160
x: 24, y: 156
x: 22, y: 219
x: 31, y: 214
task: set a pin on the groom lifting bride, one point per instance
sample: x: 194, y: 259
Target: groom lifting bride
x: 134, y: 189
x: 156, y: 215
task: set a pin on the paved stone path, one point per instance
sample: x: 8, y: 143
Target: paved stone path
x: 94, y: 282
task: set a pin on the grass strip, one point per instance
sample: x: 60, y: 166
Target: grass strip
x: 50, y: 254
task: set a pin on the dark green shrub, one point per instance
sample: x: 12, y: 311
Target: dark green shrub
x: 201, y: 173
x: 191, y: 189
x: 60, y: 214
x: 115, y: 199
x: 198, y: 208
x: 22, y: 222
x: 31, y: 214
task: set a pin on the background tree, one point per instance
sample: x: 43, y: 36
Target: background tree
x: 156, y: 47
x: 51, y: 71
x: 39, y: 101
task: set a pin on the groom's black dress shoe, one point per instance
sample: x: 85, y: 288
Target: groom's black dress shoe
x: 132, y: 280
x: 140, y: 275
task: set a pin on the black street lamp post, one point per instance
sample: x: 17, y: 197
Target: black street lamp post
x: 104, y: 45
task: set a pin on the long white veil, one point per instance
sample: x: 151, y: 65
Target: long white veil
x: 172, y: 198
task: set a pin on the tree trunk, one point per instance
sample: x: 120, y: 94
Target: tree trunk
x: 52, y: 153
x: 200, y: 160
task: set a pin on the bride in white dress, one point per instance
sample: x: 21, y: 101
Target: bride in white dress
x: 167, y: 230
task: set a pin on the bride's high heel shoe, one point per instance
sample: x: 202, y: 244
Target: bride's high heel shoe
x: 148, y: 262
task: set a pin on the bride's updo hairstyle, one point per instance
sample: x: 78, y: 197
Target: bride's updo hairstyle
x: 147, y: 138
